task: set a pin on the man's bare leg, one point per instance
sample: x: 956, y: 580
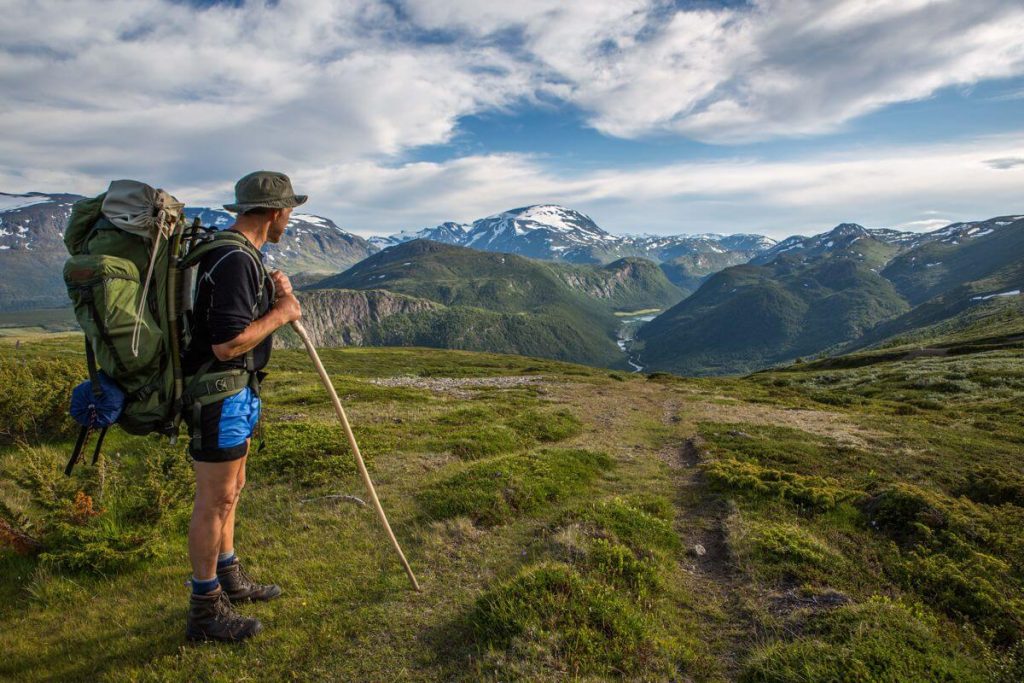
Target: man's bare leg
x: 216, y: 496
x: 227, y: 539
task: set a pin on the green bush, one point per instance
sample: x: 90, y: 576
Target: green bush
x: 618, y: 564
x: 817, y: 493
x: 35, y: 398
x: 305, y: 453
x: 632, y: 526
x: 780, y: 551
x: 496, y: 490
x: 905, y: 512
x: 104, y: 519
x: 579, y: 623
x: 994, y: 486
x: 966, y: 588
x: 875, y: 641
x: 547, y: 426
x: 482, y: 441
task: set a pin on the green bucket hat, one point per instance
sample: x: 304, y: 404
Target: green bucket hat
x: 264, y: 189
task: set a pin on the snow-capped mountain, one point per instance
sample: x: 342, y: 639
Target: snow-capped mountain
x: 552, y: 232
x: 543, y: 231
x: 446, y: 233
x: 848, y: 239
x: 32, y: 249
x: 960, y: 232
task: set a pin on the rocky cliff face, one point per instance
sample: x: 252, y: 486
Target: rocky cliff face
x: 339, y: 317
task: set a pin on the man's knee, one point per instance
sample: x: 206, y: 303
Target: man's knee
x: 218, y: 504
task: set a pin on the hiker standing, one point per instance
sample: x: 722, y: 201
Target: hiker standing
x: 238, y: 305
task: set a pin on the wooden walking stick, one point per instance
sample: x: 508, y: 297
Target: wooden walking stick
x: 301, y: 331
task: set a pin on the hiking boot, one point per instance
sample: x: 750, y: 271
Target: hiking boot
x: 211, y: 617
x: 240, y: 587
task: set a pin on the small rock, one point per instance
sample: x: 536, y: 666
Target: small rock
x: 698, y: 551
x: 740, y: 435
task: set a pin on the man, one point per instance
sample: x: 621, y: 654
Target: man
x: 238, y: 305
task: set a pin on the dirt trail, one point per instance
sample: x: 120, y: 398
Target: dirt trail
x: 819, y: 422
x: 714, y: 578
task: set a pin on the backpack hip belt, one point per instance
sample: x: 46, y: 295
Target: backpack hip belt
x: 205, y: 388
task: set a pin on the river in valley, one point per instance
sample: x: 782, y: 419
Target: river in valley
x: 627, y: 332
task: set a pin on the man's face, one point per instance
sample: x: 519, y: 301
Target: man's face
x: 278, y: 225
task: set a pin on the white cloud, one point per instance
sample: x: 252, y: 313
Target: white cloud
x: 891, y: 187
x: 780, y: 67
x: 336, y: 93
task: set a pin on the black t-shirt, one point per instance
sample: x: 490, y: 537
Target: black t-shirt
x: 226, y: 302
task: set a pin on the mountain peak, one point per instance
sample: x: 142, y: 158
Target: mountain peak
x: 544, y: 217
x: 849, y: 230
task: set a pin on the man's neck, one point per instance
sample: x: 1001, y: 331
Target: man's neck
x: 254, y: 232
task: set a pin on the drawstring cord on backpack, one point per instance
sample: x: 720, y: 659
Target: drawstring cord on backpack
x: 161, y: 220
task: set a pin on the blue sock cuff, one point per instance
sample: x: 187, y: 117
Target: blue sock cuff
x: 225, y: 559
x: 204, y: 587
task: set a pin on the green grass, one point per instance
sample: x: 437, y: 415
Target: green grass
x: 497, y: 490
x: 553, y: 526
x: 876, y: 641
x: 565, y: 617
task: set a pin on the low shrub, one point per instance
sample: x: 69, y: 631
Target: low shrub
x: 772, y: 550
x: 994, y: 486
x: 482, y: 441
x: 495, y: 490
x: 547, y: 426
x: 632, y: 526
x: 574, y: 624
x: 966, y: 588
x: 817, y: 493
x: 35, y: 398
x: 905, y: 512
x: 619, y: 565
x: 878, y: 640
x: 104, y: 519
x: 305, y: 453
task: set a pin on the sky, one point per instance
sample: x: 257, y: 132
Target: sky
x: 776, y: 117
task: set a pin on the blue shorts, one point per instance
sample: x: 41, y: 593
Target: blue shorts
x: 224, y: 427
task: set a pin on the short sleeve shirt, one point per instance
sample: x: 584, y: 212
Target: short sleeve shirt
x: 228, y: 284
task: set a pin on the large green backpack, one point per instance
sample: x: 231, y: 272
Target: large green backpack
x: 131, y: 279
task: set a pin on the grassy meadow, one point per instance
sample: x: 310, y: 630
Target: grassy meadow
x: 814, y: 523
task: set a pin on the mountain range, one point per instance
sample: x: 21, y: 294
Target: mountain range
x: 837, y: 291
x: 546, y: 280
x: 556, y: 233
x: 32, y: 250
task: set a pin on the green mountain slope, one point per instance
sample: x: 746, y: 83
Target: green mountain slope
x: 504, y: 302
x: 839, y: 291
x: 746, y: 317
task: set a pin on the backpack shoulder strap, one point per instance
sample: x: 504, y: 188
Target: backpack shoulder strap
x: 220, y: 239
x: 230, y: 237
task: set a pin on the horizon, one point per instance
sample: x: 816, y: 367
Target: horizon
x: 931, y: 226
x: 928, y: 226
x: 660, y: 117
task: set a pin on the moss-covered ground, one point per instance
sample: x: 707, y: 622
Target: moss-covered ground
x: 811, y: 524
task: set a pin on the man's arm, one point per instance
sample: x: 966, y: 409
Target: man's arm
x: 285, y: 310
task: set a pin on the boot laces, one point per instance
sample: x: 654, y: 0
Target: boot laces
x: 226, y: 612
x: 245, y: 580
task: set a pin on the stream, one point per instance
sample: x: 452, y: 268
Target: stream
x: 630, y: 324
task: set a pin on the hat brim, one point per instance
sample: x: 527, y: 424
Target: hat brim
x: 285, y: 203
